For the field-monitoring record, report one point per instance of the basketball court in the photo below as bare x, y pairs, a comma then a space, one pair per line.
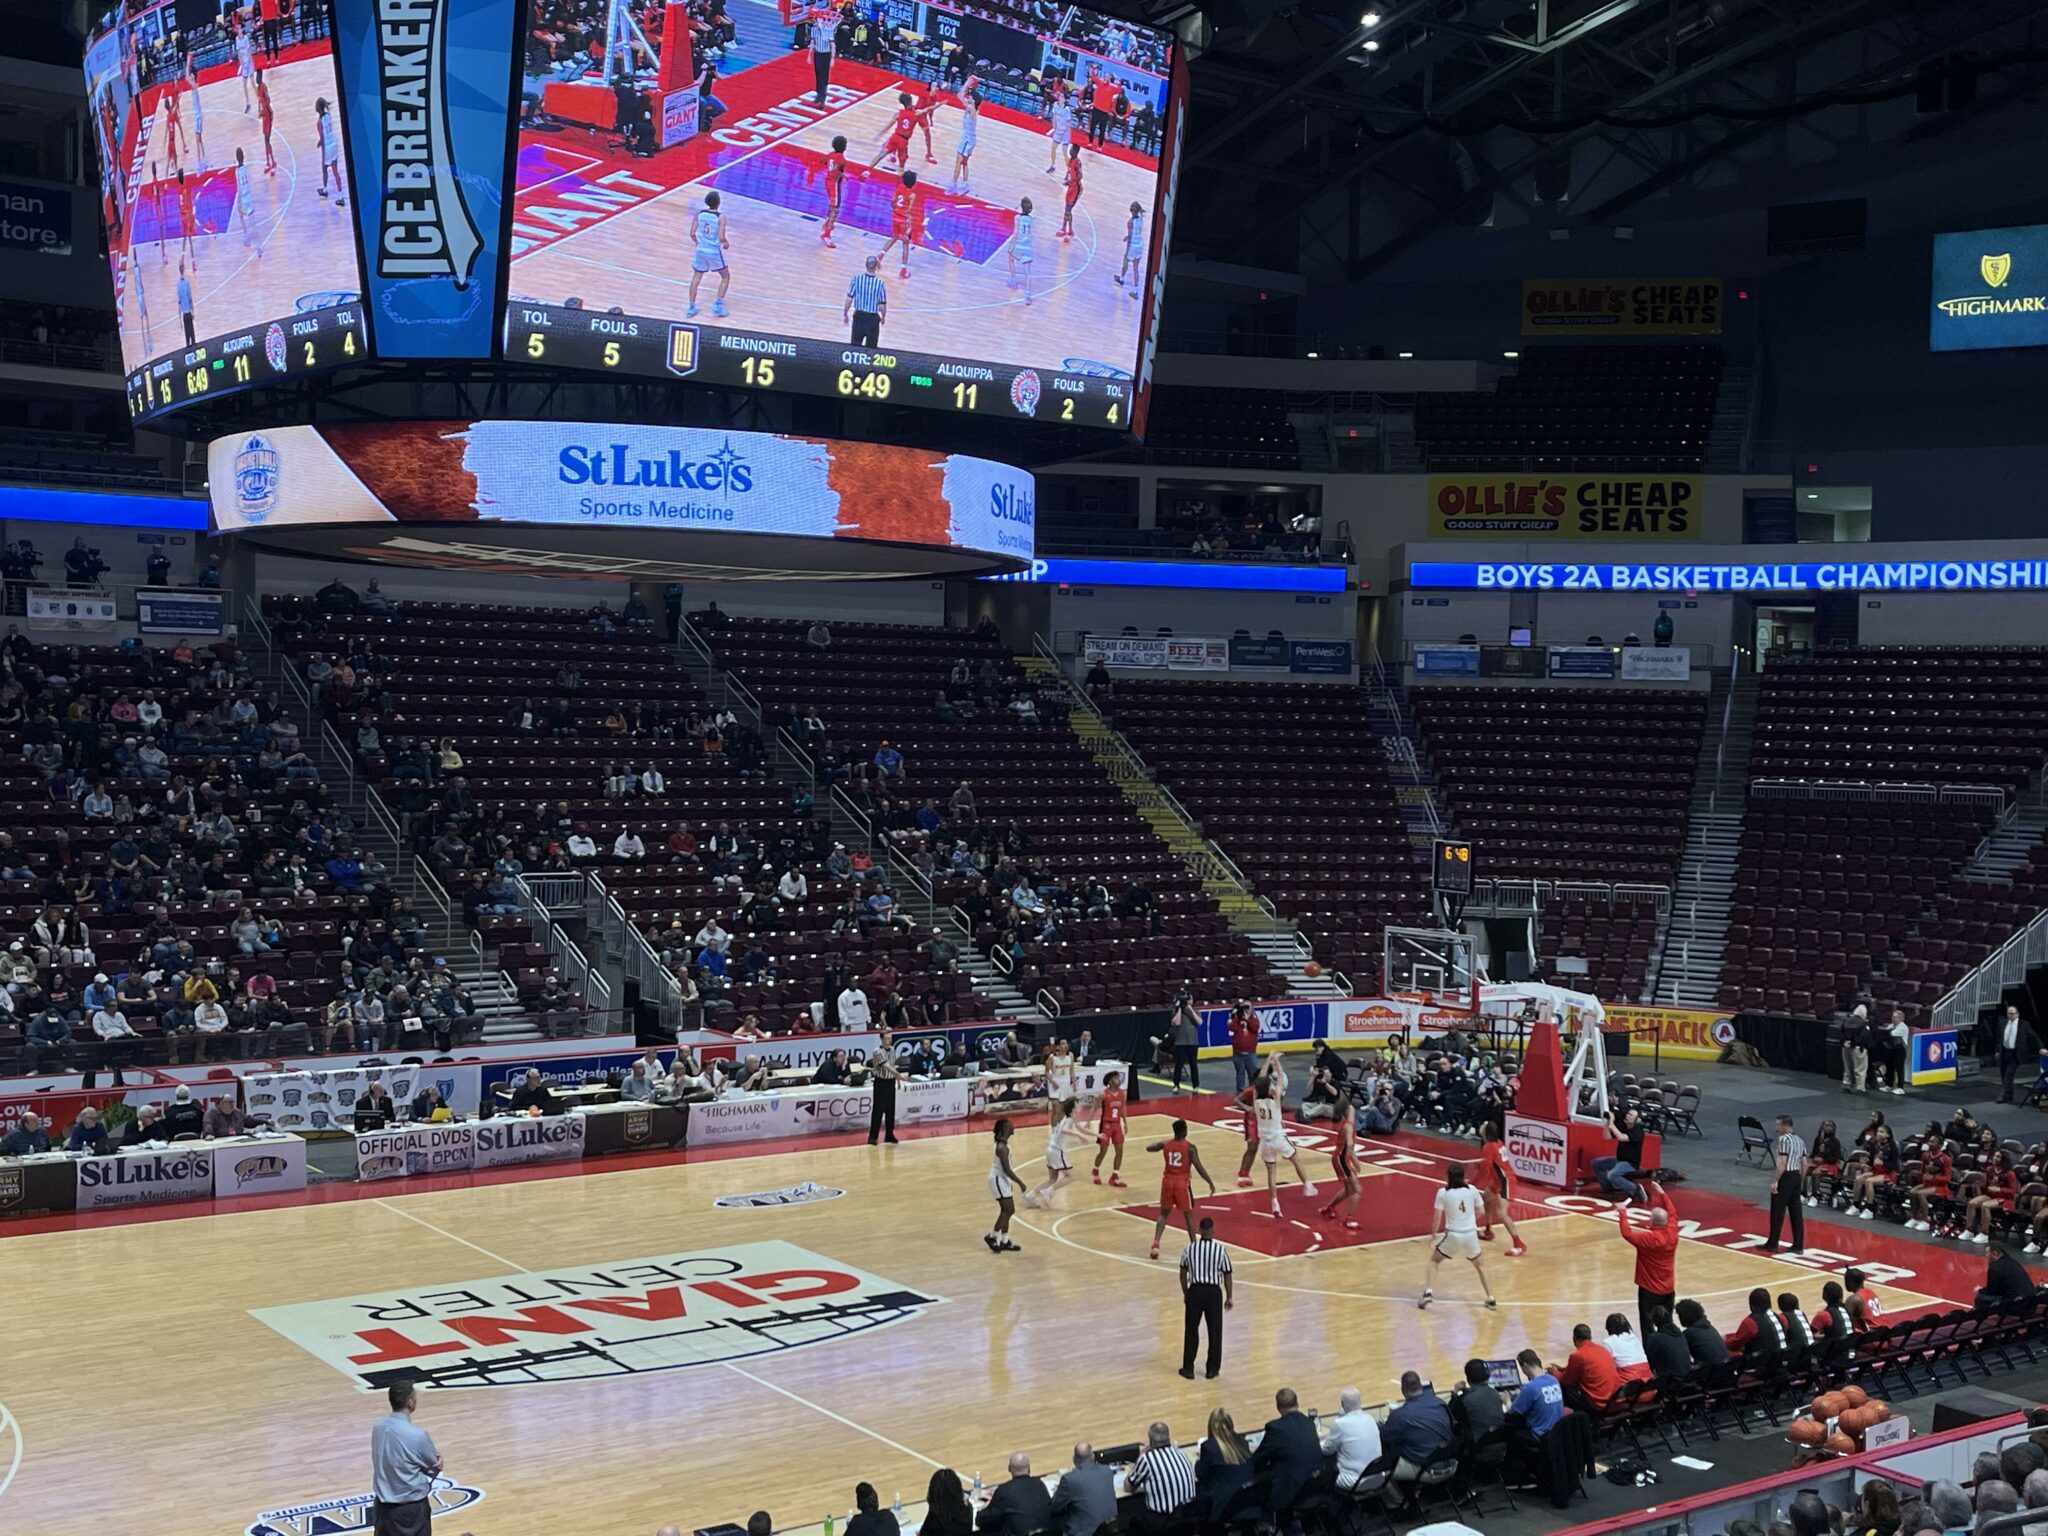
688, 1337
298, 250
609, 229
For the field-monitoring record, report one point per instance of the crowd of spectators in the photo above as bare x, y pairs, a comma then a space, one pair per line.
76, 335
180, 874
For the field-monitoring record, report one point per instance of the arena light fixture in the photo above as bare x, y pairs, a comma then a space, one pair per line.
1511, 355
1369, 19
1372, 45
1406, 355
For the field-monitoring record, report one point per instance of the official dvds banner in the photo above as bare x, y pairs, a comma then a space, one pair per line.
1621, 306
425, 84
611, 476
411, 1149
1990, 289
1567, 506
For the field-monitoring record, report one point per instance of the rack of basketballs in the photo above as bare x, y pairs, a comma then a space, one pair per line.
1836, 1423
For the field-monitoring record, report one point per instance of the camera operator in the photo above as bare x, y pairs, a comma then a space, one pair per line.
83, 567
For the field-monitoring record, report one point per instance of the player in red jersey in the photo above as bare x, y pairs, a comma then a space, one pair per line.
835, 189
174, 121
906, 221
927, 109
1246, 1098
896, 134
188, 220
1175, 1192
1344, 1159
267, 118
1073, 190
1497, 1188
1110, 1130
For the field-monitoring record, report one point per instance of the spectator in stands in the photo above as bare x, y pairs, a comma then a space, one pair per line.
87, 1134
1418, 1427
1084, 1502
533, 1094
225, 1118
183, 1116
855, 1014
2005, 1279
119, 1043
83, 567
1588, 1376
1996, 1497
1352, 1437
1477, 1413
1665, 1348
888, 763
818, 636
28, 1137
1019, 1507
637, 1086
48, 1039
627, 846
1702, 1338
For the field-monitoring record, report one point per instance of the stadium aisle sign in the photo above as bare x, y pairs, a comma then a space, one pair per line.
1569, 506
1791, 576
1621, 306
621, 1318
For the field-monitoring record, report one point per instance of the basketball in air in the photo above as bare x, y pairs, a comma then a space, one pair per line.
1312, 970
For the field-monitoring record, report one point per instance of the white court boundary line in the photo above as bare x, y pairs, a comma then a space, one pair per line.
9, 1422
737, 1370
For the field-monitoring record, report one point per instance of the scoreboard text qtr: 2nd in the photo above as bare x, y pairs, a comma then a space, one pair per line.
562, 336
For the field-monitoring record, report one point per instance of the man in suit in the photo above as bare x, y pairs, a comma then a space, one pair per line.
2005, 1279
1085, 1500
2017, 1043
1353, 1437
1289, 1452
1417, 1429
1019, 1507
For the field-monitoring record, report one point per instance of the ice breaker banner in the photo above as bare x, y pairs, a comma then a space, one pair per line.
594, 475
424, 85
1799, 576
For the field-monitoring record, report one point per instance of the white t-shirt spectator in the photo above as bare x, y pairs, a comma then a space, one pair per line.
581, 847
211, 1018
627, 845
853, 1009
111, 1024
793, 886
713, 937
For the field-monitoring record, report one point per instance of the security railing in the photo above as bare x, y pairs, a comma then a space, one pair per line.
1879, 791
1984, 987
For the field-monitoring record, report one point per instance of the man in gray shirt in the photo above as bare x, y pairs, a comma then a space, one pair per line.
1086, 1498
1788, 1174
404, 1464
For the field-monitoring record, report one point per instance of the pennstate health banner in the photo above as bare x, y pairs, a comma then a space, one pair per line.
1567, 506
1621, 306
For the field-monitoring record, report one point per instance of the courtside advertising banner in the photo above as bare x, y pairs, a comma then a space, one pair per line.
942, 1098
145, 1177
1568, 506
1537, 1150
1621, 306
627, 477
426, 85
400, 1153
1656, 664
528, 1139
1157, 652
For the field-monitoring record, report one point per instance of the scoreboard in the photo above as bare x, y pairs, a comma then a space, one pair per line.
1451, 868
563, 337
270, 354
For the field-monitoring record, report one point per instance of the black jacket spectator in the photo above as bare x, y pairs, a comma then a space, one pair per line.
1017, 1508
1291, 1453
1669, 1352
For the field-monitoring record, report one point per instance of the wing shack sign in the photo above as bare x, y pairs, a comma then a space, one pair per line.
620, 1319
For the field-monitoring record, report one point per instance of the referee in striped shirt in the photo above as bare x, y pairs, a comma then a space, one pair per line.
1205, 1294
1164, 1478
867, 305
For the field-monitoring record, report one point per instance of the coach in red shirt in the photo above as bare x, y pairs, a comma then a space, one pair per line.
1656, 1249
1590, 1368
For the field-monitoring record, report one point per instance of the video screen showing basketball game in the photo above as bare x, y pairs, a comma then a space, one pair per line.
955, 206
223, 194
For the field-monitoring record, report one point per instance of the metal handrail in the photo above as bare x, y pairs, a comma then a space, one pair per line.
432, 889
1406, 756
1047, 1004
1985, 984
1003, 960
1896, 792
1534, 895
1727, 721
1213, 862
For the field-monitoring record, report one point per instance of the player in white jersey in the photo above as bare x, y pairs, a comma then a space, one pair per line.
328, 137
1273, 1143
1022, 251
1058, 1133
138, 313
198, 109
245, 61
712, 244
1062, 125
1455, 1234
1134, 250
245, 202
970, 125
1059, 1073
1004, 1184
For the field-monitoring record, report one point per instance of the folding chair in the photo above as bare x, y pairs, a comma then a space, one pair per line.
1755, 1143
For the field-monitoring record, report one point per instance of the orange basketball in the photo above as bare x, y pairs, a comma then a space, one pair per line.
1829, 1405
1855, 1397
1312, 970
1841, 1444
1807, 1432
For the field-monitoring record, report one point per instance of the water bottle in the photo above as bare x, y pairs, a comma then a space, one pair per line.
977, 1493
896, 1509
828, 1525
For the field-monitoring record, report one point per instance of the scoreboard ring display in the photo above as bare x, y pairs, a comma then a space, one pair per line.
963, 209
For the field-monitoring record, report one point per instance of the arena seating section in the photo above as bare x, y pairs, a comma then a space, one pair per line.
1288, 780
1586, 408
1566, 783
455, 669
879, 682
53, 837
1234, 428
1847, 900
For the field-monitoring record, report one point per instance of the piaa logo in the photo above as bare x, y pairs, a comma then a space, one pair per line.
257, 472
805, 1193
1026, 392
354, 1512
274, 348
627, 1318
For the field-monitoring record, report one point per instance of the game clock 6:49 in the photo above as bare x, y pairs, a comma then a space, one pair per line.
321, 338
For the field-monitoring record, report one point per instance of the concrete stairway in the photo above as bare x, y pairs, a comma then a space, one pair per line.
1421, 803
2013, 841
1686, 970
1728, 436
